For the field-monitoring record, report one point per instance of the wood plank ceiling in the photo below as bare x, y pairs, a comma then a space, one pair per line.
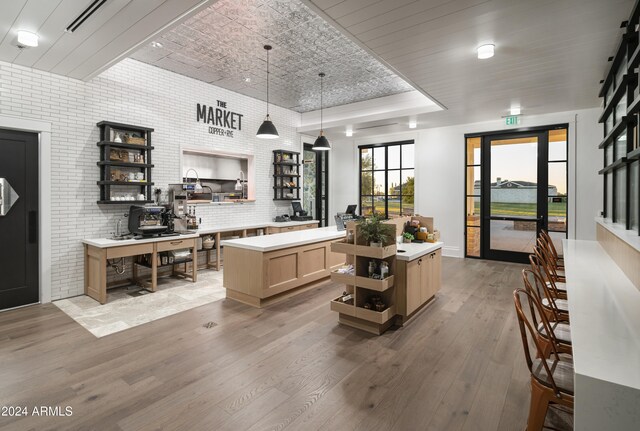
117, 27
550, 54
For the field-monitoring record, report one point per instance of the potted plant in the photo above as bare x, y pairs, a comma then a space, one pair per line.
373, 231
407, 237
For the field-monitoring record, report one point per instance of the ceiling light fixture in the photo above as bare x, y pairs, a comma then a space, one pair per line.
27, 38
515, 110
247, 79
413, 123
486, 51
349, 131
156, 44
321, 143
267, 130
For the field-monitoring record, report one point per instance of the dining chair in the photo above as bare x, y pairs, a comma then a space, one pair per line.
547, 238
551, 378
557, 271
557, 288
549, 331
557, 309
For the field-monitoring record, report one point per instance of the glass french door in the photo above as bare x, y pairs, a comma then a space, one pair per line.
516, 184
515, 189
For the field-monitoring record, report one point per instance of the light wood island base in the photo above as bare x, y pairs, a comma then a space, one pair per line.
259, 278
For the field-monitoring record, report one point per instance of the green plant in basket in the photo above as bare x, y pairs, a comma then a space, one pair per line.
407, 237
373, 232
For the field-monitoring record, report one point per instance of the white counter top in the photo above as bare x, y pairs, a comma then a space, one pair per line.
415, 250
604, 307
108, 243
206, 229
285, 240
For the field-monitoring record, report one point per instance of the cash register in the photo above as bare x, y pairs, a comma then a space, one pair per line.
298, 213
348, 215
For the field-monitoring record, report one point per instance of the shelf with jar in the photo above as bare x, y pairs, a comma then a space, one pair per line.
286, 175
125, 160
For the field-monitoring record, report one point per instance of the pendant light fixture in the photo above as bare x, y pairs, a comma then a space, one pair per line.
267, 130
321, 143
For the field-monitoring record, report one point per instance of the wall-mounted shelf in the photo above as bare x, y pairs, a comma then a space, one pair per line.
125, 202
286, 164
127, 147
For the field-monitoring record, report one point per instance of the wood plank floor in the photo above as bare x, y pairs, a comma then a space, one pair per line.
457, 366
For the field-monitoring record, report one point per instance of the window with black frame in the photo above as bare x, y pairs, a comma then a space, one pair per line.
621, 155
387, 179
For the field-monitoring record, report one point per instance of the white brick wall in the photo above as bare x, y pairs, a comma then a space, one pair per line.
133, 93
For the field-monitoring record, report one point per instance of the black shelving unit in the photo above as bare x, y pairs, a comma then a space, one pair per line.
286, 175
109, 165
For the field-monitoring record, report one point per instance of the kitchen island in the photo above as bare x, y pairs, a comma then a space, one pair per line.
244, 230
264, 269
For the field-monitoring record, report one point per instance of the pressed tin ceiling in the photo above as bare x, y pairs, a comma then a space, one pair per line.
223, 45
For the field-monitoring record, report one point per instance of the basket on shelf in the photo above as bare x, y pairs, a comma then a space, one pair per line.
135, 140
119, 155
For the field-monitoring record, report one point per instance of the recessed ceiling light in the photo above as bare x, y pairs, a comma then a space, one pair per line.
156, 44
27, 38
247, 79
413, 123
486, 51
515, 110
349, 131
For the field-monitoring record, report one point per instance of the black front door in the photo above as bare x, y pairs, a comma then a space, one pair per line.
18, 219
515, 184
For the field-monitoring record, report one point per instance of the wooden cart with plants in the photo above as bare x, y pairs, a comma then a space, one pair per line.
369, 298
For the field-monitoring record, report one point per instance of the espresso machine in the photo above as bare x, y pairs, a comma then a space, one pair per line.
150, 221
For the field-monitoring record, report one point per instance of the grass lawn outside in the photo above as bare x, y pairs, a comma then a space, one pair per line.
556, 209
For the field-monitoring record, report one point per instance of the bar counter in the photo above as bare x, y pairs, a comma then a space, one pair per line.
605, 329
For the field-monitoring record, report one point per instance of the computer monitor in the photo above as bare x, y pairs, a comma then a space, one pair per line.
351, 209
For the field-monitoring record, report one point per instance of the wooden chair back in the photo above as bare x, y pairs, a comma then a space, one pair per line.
537, 267
549, 243
545, 270
549, 261
536, 309
528, 331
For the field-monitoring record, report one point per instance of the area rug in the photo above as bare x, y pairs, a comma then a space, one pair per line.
130, 307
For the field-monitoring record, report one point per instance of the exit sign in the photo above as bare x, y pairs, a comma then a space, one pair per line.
512, 120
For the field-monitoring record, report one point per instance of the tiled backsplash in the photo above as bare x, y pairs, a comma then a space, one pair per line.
133, 93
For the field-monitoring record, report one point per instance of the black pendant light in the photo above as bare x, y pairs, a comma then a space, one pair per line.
321, 143
267, 130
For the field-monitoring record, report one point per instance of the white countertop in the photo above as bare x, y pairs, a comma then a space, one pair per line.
604, 307
285, 240
108, 243
415, 250
205, 229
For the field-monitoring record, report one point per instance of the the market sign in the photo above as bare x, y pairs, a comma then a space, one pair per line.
222, 121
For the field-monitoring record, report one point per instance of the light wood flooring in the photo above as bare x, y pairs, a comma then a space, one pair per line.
457, 366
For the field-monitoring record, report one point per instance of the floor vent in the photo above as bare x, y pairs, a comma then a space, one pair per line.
210, 325
86, 14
